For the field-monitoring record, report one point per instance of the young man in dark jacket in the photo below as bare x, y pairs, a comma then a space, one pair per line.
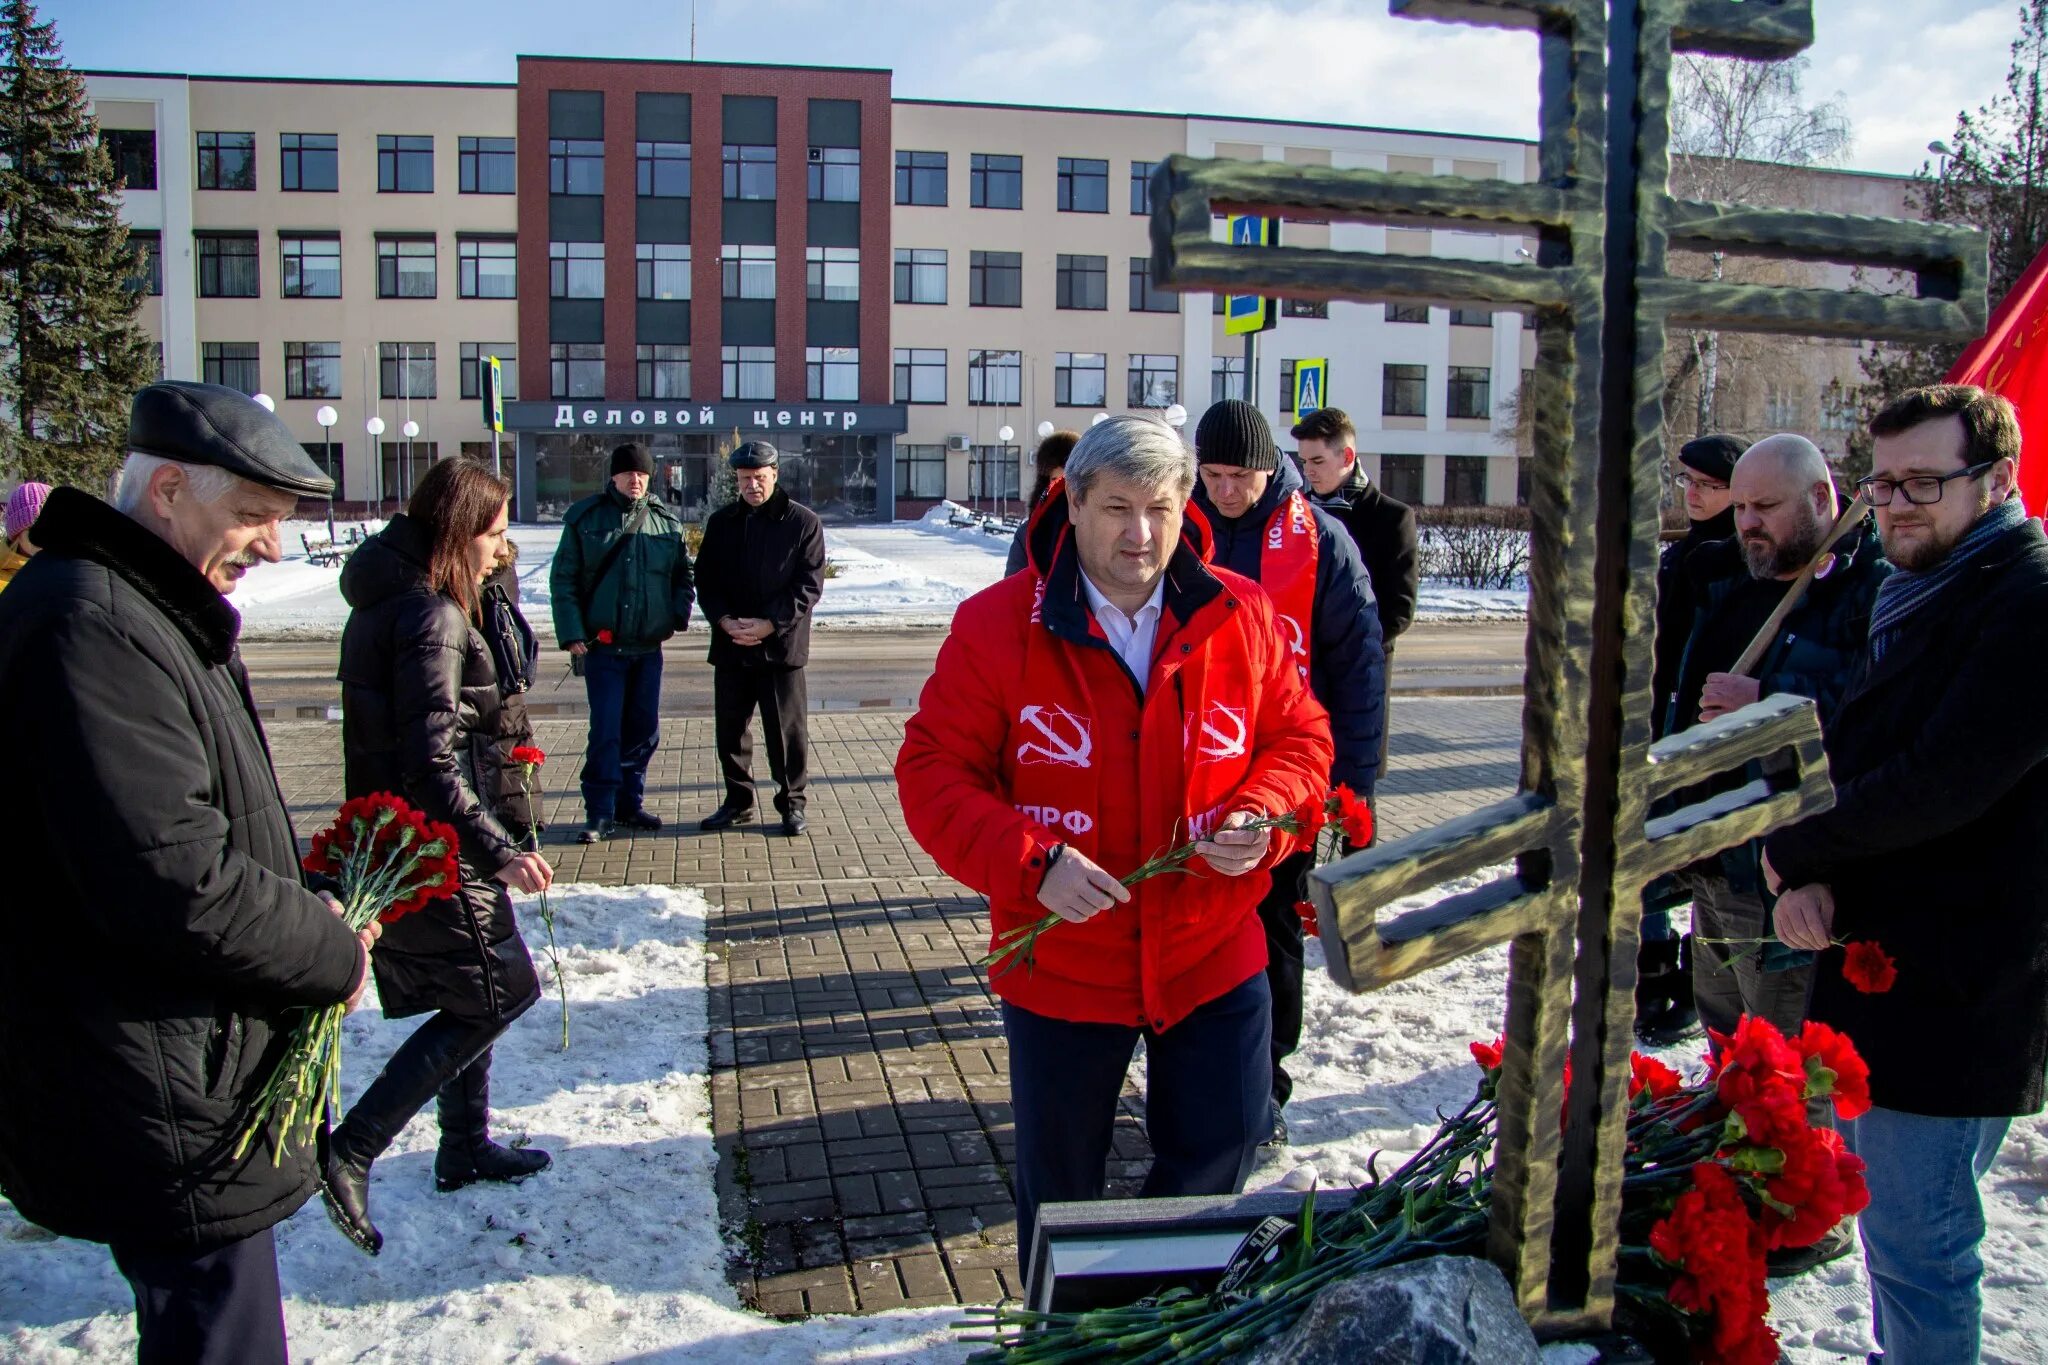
1264, 527
1932, 855
760, 570
620, 586
162, 941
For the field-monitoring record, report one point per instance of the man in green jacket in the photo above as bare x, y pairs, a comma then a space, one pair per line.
621, 585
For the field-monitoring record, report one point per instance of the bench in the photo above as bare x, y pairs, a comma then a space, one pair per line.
324, 552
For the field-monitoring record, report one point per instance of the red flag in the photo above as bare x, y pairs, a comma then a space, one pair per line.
2011, 359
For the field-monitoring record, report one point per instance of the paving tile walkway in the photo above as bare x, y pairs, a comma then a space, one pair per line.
859, 1080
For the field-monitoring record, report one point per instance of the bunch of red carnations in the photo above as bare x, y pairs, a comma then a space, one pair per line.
388, 861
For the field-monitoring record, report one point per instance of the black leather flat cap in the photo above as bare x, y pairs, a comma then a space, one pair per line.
754, 455
214, 425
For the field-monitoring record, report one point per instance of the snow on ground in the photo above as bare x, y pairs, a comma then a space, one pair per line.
615, 1253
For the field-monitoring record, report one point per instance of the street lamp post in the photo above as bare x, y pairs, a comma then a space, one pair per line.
1045, 429
1176, 416
1004, 435
375, 426
411, 430
327, 417
264, 401
1098, 419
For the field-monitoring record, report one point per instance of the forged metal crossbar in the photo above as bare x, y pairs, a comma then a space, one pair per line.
1580, 833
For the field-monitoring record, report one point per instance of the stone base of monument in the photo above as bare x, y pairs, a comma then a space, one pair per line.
1441, 1310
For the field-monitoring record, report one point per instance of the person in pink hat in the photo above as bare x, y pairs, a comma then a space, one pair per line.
24, 505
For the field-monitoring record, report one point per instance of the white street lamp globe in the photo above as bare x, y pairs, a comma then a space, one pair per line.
264, 401
1176, 416
1045, 429
1006, 434
411, 429
375, 426
1098, 419
326, 416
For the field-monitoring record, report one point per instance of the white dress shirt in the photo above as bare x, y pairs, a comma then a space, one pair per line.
1132, 637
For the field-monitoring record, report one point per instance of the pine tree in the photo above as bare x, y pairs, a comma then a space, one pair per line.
71, 354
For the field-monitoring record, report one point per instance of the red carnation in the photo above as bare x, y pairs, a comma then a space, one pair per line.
604, 637
1348, 810
1649, 1076
1717, 1249
528, 755
1309, 923
1311, 818
1834, 1067
1488, 1055
1819, 1184
1869, 968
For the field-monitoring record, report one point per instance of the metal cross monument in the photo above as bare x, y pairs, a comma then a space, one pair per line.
1579, 832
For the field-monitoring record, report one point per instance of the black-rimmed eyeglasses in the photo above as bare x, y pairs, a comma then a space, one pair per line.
1920, 489
1699, 481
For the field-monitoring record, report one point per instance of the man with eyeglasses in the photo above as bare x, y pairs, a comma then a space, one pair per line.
1933, 852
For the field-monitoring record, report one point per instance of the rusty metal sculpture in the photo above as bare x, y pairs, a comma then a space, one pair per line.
1580, 832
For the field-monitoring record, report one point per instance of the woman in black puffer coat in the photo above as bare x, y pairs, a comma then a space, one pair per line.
516, 654
420, 714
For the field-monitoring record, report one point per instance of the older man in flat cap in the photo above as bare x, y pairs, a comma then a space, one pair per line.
163, 940
759, 572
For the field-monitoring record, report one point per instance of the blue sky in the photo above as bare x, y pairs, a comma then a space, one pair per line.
1902, 68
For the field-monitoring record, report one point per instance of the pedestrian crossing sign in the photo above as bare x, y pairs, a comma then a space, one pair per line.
1243, 313
493, 387
1311, 386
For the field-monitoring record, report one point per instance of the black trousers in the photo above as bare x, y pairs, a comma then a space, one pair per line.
222, 1307
1284, 964
782, 698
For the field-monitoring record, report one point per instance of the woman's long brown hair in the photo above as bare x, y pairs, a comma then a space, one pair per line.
454, 504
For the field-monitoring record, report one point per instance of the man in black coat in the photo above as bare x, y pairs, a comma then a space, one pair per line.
164, 940
1932, 856
760, 571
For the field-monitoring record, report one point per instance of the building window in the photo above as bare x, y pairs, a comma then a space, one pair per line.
486, 165
1080, 379
227, 265
575, 270
1401, 478
661, 170
1784, 409
1837, 405
921, 178
747, 272
1304, 308
227, 161
1470, 392
576, 370
995, 378
311, 266
405, 164
1081, 282
487, 268
1145, 296
312, 369
920, 376
920, 471
747, 371
920, 275
832, 272
993, 473
149, 252
405, 369
749, 171
661, 270
405, 268
1141, 185
662, 371
1471, 317
133, 152
472, 356
995, 279
1465, 480
832, 374
1226, 377
995, 181
575, 166
1407, 312
1084, 185
308, 163
237, 364
833, 175
1154, 381
1404, 391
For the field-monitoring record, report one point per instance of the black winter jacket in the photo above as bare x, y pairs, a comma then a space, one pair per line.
420, 710
1935, 846
1347, 665
515, 654
1676, 608
1383, 529
766, 562
160, 940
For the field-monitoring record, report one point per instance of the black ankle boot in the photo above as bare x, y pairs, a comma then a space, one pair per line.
345, 1189
467, 1153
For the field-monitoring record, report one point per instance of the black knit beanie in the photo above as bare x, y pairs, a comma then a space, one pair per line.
1233, 432
632, 458
1713, 456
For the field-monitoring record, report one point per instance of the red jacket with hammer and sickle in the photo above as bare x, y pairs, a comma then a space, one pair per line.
1031, 732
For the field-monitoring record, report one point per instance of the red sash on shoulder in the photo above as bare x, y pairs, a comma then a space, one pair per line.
1287, 571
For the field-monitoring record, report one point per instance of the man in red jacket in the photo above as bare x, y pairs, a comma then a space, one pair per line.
1124, 698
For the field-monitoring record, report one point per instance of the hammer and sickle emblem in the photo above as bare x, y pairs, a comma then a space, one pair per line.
1223, 732
1290, 630
1064, 737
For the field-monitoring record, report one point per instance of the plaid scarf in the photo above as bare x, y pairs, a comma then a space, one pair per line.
1904, 592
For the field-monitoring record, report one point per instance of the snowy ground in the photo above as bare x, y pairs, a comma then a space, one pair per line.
884, 575
616, 1252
